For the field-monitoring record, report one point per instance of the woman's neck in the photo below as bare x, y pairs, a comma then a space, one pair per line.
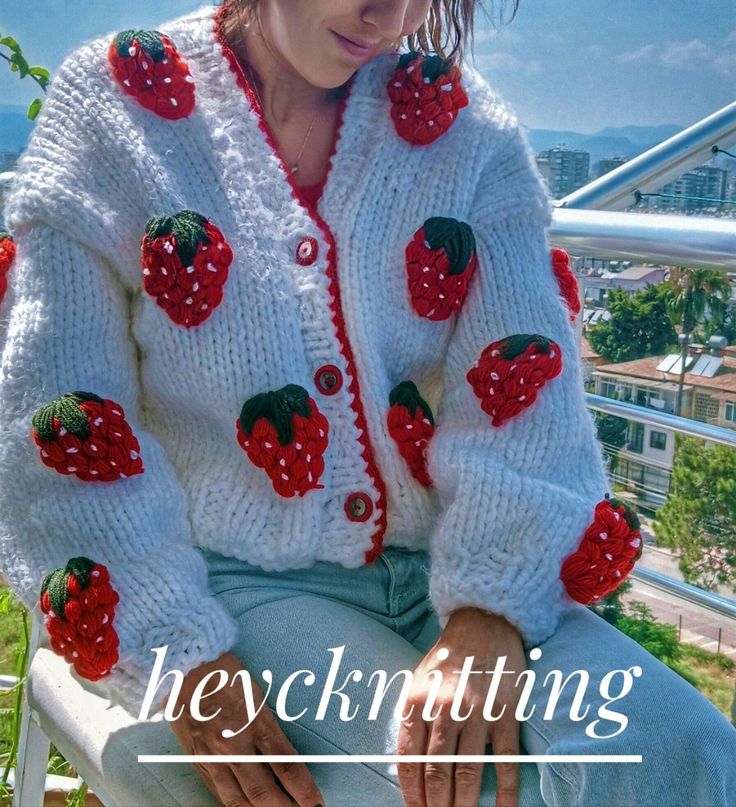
286, 95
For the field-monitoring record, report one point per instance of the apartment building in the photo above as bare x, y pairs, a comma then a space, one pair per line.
709, 395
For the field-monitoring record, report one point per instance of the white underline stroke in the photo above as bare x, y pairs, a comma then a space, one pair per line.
389, 758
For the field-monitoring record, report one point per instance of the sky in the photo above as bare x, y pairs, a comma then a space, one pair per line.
561, 64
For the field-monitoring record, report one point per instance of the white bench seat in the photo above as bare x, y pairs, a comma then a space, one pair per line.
102, 743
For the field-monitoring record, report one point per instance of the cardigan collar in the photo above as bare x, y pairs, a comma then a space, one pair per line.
396, 97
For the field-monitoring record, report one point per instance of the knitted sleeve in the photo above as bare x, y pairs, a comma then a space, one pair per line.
94, 533
514, 458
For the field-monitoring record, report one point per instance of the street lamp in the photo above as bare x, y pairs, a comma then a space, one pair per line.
685, 340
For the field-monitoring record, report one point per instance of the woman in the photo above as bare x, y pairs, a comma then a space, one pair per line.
288, 379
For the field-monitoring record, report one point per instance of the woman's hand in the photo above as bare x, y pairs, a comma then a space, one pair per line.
485, 636
248, 783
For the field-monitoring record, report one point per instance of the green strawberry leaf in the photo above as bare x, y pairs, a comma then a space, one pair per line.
513, 346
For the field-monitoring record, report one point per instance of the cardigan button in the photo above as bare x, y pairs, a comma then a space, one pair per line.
328, 379
306, 252
358, 507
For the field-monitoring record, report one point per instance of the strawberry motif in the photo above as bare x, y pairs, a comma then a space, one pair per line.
440, 261
509, 373
426, 95
7, 256
79, 606
607, 553
411, 425
82, 434
148, 66
185, 261
566, 279
284, 433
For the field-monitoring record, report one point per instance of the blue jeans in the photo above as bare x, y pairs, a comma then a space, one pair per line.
381, 616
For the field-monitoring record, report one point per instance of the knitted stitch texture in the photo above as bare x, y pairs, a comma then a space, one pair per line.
316, 298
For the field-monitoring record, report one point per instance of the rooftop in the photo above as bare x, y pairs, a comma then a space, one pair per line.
723, 381
633, 272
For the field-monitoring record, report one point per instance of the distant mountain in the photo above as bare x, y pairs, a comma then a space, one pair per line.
611, 141
14, 127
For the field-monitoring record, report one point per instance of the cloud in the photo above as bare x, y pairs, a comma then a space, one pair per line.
502, 36
693, 54
503, 61
644, 54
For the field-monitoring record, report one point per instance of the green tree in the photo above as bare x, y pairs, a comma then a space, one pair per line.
722, 324
692, 297
659, 638
610, 607
698, 519
612, 435
639, 326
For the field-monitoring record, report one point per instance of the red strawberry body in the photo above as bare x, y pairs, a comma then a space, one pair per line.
148, 66
79, 606
566, 279
186, 262
411, 424
7, 256
284, 433
440, 262
88, 436
607, 553
510, 372
426, 96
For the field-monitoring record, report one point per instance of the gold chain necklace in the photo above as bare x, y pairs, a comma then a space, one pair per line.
295, 166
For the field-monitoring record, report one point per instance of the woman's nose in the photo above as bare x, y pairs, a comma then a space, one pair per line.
395, 19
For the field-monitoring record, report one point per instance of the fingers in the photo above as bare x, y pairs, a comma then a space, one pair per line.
223, 785
257, 782
469, 775
294, 776
438, 778
412, 739
506, 741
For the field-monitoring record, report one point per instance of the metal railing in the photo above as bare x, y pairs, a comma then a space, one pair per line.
678, 240
672, 240
697, 596
659, 165
652, 417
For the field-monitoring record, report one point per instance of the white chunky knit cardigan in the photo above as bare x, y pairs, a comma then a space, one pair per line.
506, 504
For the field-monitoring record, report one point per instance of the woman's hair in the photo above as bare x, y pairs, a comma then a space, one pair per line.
446, 31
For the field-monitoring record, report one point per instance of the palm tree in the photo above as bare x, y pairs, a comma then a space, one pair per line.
693, 296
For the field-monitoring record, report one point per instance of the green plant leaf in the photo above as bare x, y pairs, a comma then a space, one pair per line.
6, 602
34, 108
39, 72
18, 59
9, 42
40, 76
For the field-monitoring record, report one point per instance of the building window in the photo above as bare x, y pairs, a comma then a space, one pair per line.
608, 389
658, 440
730, 411
657, 481
636, 437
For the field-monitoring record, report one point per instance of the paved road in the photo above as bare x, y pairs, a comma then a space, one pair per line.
699, 625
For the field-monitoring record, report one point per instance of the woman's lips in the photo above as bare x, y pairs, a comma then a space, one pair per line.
360, 52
